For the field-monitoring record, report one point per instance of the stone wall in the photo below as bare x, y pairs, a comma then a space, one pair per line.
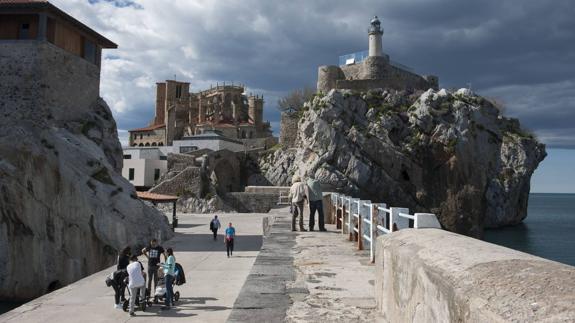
251, 202
288, 129
189, 181
35, 75
372, 73
430, 275
327, 76
268, 189
255, 143
155, 137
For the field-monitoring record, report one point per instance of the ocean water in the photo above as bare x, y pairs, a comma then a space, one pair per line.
547, 232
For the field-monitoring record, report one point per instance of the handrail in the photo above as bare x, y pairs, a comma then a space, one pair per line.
364, 220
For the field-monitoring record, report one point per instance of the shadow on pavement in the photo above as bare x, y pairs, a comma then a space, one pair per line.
205, 242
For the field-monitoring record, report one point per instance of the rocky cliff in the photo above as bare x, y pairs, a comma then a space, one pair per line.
449, 153
65, 210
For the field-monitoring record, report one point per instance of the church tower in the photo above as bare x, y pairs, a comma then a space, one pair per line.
375, 37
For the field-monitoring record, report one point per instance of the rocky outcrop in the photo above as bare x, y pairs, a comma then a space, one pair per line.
65, 210
449, 153
193, 204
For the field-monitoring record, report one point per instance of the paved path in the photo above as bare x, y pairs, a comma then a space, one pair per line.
307, 277
214, 281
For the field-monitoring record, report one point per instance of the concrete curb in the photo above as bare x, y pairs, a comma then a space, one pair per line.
264, 297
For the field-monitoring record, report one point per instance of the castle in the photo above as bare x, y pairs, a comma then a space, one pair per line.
180, 114
371, 69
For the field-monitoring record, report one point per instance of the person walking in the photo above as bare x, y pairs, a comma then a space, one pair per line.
153, 253
169, 277
315, 200
297, 196
215, 226
229, 240
136, 282
123, 262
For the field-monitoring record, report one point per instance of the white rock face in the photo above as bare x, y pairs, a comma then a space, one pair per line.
446, 153
65, 210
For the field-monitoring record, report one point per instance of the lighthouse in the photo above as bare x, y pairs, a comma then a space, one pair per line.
375, 35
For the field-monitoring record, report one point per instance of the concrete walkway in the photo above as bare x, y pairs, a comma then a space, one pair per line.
307, 277
213, 280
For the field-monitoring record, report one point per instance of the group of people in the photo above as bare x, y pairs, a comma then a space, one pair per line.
312, 192
229, 234
131, 268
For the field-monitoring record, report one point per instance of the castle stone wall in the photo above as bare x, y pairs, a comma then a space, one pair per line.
245, 202
373, 72
40, 73
288, 129
327, 76
353, 71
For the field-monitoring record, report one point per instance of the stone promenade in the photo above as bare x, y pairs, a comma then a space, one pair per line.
296, 277
307, 277
213, 280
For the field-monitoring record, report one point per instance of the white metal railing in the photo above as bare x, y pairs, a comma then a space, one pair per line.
283, 199
364, 220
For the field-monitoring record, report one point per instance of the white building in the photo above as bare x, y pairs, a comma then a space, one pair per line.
210, 139
143, 166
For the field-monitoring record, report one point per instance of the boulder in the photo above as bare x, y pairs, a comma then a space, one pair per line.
443, 152
65, 210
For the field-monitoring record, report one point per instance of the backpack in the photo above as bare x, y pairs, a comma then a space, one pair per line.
212, 225
181, 276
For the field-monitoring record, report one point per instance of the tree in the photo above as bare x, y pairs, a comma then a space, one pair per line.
296, 98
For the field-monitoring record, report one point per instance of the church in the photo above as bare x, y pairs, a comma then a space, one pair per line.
224, 108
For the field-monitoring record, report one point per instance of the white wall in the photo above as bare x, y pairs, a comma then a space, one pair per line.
212, 144
144, 170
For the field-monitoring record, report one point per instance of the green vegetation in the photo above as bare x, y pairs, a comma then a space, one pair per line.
275, 147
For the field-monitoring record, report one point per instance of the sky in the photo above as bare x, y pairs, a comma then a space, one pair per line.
520, 52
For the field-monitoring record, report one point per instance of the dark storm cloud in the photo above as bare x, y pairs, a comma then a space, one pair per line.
519, 51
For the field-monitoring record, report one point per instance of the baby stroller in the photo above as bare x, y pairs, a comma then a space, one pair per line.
160, 293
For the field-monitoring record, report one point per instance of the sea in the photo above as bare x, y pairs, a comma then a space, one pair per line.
547, 232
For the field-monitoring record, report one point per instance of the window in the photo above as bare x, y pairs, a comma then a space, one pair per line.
89, 51
163, 157
130, 174
24, 31
127, 156
141, 136
156, 174
178, 91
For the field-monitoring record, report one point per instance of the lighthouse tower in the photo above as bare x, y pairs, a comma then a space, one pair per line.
375, 35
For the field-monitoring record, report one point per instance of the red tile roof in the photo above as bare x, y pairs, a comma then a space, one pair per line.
149, 128
148, 196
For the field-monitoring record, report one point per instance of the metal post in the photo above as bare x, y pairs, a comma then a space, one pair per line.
342, 217
350, 221
372, 231
174, 218
359, 227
